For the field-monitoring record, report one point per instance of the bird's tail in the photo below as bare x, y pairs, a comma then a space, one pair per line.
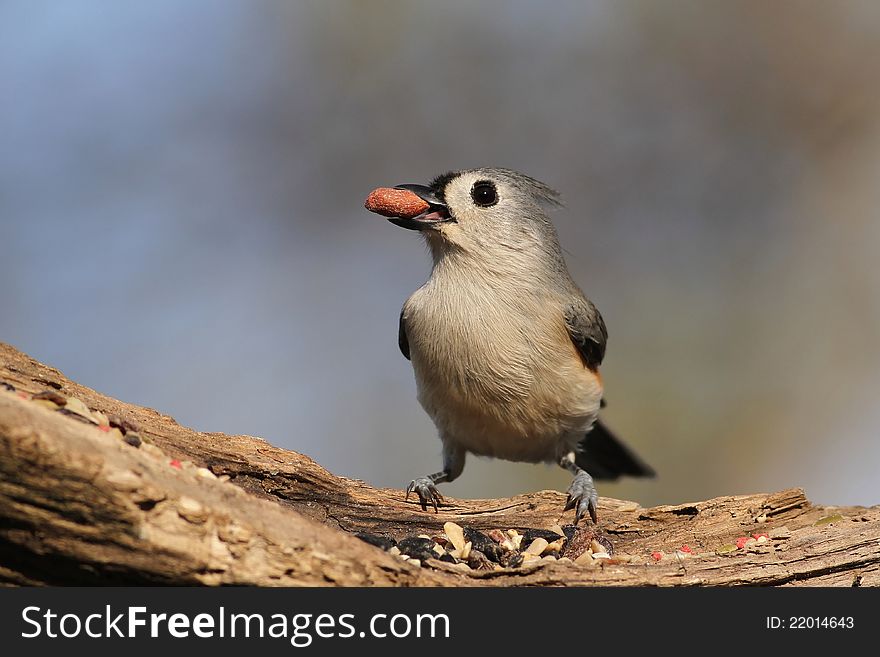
604, 456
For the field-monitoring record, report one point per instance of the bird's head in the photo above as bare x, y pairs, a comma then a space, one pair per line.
478, 211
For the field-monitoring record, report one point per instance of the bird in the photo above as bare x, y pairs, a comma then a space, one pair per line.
504, 345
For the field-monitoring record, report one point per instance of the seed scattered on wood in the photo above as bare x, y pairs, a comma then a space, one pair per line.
605, 543
417, 548
537, 546
382, 542
479, 561
585, 559
77, 406
749, 542
529, 535
484, 544
780, 533
467, 548
124, 480
46, 382
496, 535
122, 423
53, 396
455, 534
511, 559
76, 416
579, 541
191, 510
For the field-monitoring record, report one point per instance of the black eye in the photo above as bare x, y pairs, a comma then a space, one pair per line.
484, 193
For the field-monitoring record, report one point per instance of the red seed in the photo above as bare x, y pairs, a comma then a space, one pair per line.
656, 556
685, 548
176, 464
395, 203
757, 536
741, 542
104, 427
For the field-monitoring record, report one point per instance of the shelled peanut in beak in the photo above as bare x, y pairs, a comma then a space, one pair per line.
390, 202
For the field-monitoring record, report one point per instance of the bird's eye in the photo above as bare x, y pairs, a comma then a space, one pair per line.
484, 193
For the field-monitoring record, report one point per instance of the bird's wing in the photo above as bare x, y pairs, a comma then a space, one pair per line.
587, 331
402, 340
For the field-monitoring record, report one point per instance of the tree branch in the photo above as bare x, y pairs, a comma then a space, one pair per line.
80, 505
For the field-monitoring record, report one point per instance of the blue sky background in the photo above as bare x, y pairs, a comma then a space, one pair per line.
181, 220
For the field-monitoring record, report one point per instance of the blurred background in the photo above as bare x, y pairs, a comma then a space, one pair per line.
182, 222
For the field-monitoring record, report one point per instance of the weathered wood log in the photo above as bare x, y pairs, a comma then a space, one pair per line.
79, 504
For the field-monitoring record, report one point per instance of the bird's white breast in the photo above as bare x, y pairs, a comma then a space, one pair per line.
496, 369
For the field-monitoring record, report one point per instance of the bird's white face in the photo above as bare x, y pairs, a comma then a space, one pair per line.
488, 213
493, 217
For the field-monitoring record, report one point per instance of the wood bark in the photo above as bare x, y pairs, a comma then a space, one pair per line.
80, 505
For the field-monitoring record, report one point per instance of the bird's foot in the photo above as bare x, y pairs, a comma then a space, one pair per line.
582, 496
427, 491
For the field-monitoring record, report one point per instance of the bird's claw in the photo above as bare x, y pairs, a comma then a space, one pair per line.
582, 496
427, 491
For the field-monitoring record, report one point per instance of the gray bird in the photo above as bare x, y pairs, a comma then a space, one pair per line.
504, 345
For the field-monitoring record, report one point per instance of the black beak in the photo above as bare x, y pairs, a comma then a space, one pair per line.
437, 212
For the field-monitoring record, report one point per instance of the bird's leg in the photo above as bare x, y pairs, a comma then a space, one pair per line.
582, 495
426, 487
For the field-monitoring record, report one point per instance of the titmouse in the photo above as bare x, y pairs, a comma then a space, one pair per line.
505, 347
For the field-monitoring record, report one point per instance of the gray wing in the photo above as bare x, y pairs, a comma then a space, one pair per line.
587, 330
402, 340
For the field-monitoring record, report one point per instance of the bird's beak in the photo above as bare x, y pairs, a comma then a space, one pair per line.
415, 207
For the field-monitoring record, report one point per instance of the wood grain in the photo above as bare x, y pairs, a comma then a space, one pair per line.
80, 506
